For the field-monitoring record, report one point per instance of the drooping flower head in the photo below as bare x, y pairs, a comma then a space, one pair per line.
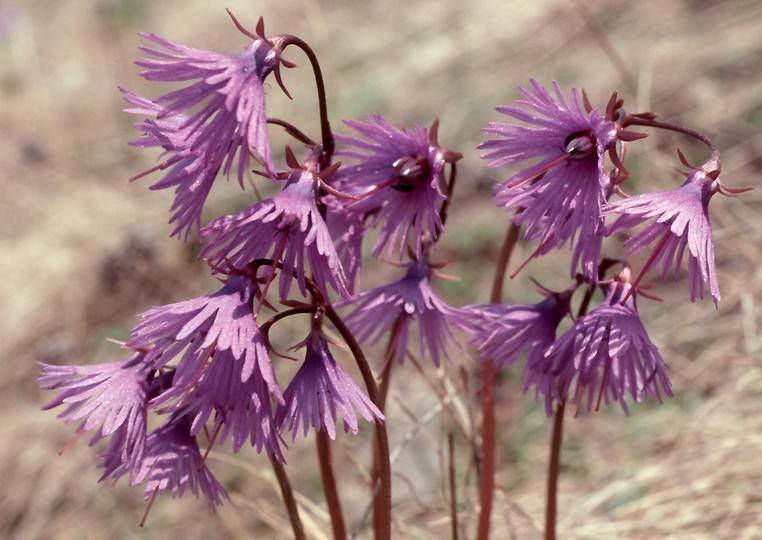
172, 463
400, 173
502, 332
111, 398
286, 228
222, 363
560, 197
682, 220
206, 126
397, 305
318, 391
605, 356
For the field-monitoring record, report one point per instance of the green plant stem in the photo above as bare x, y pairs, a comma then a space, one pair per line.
382, 511
289, 500
551, 507
489, 458
329, 485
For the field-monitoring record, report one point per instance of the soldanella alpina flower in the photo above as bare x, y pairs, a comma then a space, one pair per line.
320, 390
397, 305
111, 398
559, 198
401, 174
606, 355
286, 228
214, 124
172, 463
681, 221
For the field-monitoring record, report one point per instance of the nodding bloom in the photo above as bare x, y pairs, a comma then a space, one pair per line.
397, 305
605, 355
286, 228
561, 196
318, 391
111, 397
172, 463
502, 332
401, 175
209, 124
682, 220
223, 366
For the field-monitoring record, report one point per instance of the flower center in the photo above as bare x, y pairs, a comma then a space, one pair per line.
409, 171
580, 144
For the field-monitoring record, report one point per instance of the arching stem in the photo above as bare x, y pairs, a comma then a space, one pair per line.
325, 127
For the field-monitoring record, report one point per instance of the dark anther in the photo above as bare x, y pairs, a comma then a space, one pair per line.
580, 144
410, 170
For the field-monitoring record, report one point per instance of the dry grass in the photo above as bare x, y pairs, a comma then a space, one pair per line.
84, 251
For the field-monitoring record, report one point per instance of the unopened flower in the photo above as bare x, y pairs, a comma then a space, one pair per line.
320, 390
682, 220
606, 355
397, 305
206, 126
401, 173
286, 228
559, 198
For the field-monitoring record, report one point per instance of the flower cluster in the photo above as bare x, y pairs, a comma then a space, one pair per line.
206, 366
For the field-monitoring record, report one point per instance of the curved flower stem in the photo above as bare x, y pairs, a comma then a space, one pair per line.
382, 507
488, 459
329, 485
646, 121
325, 127
289, 500
551, 507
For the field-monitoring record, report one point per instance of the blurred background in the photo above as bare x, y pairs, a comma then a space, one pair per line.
84, 251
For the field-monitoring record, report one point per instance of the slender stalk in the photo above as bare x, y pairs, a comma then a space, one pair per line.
551, 507
382, 511
489, 458
453, 486
329, 485
383, 392
636, 120
289, 500
325, 127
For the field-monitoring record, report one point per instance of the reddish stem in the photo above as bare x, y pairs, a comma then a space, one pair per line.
489, 450
382, 506
551, 508
329, 486
288, 499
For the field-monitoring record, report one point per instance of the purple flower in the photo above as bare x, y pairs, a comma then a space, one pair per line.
204, 329
682, 220
239, 409
606, 355
226, 117
397, 305
401, 172
172, 462
111, 397
318, 391
287, 228
502, 332
562, 195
